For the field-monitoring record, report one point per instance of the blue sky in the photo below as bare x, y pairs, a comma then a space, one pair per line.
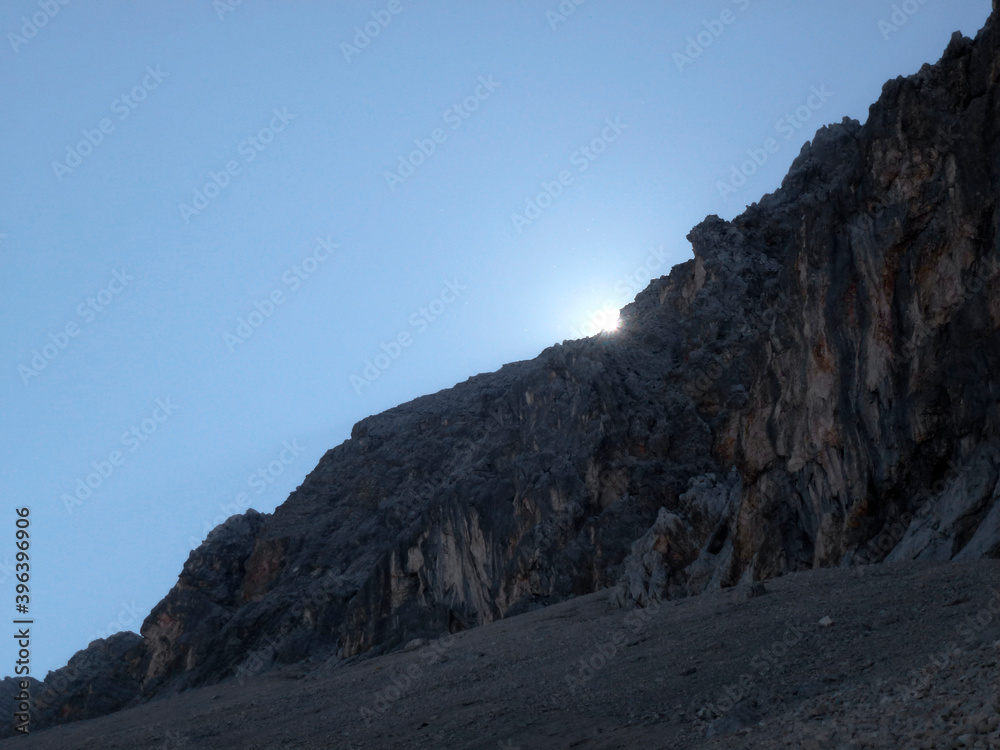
230, 231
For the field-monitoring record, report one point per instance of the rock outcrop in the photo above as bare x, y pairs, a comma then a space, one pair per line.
818, 386
98, 680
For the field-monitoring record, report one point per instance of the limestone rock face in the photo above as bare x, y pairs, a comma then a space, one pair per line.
854, 386
818, 386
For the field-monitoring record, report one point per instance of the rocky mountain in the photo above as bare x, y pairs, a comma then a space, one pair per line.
817, 387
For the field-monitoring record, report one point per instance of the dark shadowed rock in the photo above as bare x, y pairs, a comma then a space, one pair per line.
96, 681
192, 631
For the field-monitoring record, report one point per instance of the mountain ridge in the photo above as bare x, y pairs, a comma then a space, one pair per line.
774, 404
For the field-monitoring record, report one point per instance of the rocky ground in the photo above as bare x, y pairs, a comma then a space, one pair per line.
901, 656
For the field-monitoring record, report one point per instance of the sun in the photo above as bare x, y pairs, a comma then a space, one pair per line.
603, 321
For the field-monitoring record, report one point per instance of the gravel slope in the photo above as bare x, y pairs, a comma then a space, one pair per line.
658, 678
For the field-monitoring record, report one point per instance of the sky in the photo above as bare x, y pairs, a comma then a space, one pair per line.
230, 230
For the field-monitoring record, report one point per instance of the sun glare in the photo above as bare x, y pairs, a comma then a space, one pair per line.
602, 321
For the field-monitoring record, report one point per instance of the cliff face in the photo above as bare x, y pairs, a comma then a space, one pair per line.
817, 387
852, 379
877, 392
